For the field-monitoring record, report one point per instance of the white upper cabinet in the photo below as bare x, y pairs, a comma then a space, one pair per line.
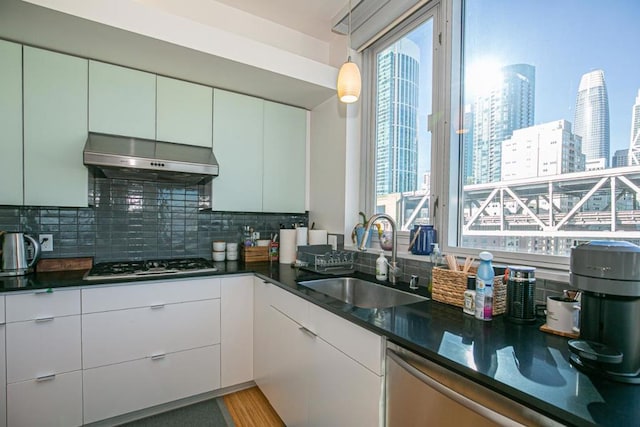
284, 181
11, 123
184, 112
261, 147
55, 129
122, 101
237, 144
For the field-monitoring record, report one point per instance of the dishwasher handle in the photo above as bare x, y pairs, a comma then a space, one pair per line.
450, 393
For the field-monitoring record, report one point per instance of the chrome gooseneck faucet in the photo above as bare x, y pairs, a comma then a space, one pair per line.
393, 267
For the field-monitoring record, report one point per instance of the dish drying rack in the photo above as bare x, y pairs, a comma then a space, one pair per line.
323, 259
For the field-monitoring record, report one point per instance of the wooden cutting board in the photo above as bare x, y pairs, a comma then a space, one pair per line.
545, 328
64, 264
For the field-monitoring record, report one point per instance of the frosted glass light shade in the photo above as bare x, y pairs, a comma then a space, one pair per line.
349, 82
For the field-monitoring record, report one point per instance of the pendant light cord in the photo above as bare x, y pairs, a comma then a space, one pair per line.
349, 36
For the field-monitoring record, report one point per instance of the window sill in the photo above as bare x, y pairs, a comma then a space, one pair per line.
559, 275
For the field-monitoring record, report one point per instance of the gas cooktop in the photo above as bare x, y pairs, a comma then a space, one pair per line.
161, 267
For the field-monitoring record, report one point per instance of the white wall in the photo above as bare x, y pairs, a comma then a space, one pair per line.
244, 24
328, 166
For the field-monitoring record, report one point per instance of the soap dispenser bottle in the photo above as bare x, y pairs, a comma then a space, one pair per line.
436, 255
381, 267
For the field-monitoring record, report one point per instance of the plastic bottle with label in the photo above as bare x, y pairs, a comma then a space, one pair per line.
484, 287
470, 296
381, 267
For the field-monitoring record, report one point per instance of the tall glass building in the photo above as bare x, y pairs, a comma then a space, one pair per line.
592, 118
634, 146
397, 118
508, 106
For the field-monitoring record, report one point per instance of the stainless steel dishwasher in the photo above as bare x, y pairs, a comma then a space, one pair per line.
420, 392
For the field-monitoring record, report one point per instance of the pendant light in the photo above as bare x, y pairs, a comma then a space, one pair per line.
349, 82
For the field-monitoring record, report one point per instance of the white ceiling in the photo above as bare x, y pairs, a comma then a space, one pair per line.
311, 17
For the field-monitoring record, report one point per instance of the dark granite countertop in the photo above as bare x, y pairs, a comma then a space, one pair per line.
519, 361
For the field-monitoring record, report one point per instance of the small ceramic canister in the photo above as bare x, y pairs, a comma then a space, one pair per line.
219, 245
218, 256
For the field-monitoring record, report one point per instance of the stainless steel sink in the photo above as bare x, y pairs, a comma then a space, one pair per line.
362, 293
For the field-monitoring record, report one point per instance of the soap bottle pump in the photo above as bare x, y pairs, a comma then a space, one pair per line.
381, 267
436, 255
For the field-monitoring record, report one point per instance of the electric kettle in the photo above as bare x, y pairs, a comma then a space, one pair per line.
15, 261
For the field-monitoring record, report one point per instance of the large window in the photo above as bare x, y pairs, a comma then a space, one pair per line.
541, 106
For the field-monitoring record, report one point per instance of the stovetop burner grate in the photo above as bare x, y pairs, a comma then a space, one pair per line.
160, 267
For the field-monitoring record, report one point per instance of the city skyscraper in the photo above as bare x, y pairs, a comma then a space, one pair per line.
508, 106
620, 159
542, 150
397, 118
592, 119
634, 146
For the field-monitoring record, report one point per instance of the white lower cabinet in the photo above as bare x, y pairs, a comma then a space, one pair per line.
236, 326
121, 388
342, 392
118, 336
262, 333
50, 401
43, 359
3, 367
147, 344
290, 359
315, 368
39, 348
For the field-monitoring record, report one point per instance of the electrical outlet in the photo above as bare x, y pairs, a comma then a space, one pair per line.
46, 242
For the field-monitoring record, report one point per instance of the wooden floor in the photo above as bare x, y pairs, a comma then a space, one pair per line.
250, 408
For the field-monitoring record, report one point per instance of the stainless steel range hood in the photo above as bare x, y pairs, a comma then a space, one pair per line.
123, 157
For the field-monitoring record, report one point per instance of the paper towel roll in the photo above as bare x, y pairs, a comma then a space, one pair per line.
301, 236
317, 237
287, 246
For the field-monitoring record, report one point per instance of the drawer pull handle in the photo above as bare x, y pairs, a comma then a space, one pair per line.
44, 319
45, 292
158, 356
46, 378
308, 331
157, 306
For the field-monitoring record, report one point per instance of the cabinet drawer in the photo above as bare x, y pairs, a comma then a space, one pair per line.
364, 346
289, 304
40, 348
123, 335
42, 304
118, 389
53, 402
148, 294
3, 377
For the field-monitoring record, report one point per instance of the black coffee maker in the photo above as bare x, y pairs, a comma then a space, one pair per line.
608, 274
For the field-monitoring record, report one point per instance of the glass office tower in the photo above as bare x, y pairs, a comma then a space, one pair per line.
634, 146
397, 118
508, 106
592, 119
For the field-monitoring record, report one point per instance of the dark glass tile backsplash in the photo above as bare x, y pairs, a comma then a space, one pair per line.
138, 220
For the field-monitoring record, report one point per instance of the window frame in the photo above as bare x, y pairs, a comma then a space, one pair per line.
445, 173
432, 9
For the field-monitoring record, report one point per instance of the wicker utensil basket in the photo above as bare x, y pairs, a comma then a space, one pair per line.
448, 286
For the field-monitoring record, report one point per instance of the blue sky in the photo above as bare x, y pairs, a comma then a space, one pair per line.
564, 39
